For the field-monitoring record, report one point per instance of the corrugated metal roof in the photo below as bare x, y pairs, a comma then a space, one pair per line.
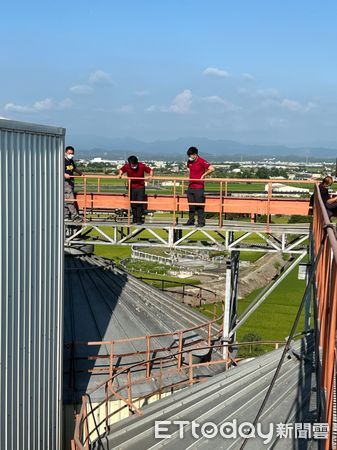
235, 394
103, 303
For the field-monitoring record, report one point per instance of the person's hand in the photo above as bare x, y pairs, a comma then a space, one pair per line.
149, 178
203, 176
119, 176
67, 176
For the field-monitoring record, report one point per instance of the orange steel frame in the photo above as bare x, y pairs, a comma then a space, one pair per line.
326, 315
177, 202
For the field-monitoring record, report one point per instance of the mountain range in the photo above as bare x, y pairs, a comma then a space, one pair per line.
213, 150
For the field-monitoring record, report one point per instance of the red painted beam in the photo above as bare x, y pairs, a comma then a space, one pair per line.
248, 205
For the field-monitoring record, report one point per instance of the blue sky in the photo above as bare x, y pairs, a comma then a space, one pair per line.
256, 71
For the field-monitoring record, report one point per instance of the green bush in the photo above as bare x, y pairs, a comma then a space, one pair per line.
296, 218
250, 350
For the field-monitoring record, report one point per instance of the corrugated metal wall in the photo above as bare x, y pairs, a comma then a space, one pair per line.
31, 285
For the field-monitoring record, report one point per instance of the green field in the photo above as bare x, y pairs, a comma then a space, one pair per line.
274, 318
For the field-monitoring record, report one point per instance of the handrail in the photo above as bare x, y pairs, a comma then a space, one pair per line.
81, 436
219, 202
180, 342
228, 180
326, 315
180, 284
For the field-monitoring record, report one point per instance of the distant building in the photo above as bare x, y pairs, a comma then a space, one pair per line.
170, 183
284, 189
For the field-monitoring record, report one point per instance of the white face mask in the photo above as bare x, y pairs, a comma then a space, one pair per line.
69, 156
190, 158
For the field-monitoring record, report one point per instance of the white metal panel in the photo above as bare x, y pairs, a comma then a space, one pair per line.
31, 285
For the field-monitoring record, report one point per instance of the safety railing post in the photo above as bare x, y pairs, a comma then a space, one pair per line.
174, 202
111, 359
148, 356
270, 190
85, 201
86, 424
209, 334
180, 349
190, 367
130, 390
220, 205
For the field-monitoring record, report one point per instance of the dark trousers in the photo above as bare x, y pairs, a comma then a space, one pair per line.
196, 195
331, 209
138, 195
70, 208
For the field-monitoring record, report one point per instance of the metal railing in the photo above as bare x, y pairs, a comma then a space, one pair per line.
147, 346
325, 294
187, 290
219, 199
89, 425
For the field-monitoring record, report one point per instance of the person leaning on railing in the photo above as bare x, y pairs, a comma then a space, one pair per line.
136, 169
70, 207
329, 202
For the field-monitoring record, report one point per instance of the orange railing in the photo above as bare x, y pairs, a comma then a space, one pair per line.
147, 346
221, 197
325, 244
115, 388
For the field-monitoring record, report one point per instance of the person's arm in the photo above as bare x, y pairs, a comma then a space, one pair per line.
208, 171
332, 200
78, 171
150, 174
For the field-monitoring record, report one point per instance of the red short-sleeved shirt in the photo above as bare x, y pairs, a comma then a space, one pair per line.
136, 173
197, 168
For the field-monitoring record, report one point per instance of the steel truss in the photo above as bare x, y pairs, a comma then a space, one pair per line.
272, 238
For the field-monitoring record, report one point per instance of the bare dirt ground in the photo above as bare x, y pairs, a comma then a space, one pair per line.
252, 276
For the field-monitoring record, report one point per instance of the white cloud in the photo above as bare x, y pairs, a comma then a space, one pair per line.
220, 101
100, 77
18, 108
126, 109
213, 71
248, 77
65, 104
181, 103
141, 93
41, 105
44, 105
81, 89
295, 106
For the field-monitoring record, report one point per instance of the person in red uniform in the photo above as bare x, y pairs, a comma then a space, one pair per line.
136, 169
199, 169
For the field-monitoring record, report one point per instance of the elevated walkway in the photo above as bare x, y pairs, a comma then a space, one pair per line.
231, 235
106, 215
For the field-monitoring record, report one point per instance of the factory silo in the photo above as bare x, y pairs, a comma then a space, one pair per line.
31, 285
